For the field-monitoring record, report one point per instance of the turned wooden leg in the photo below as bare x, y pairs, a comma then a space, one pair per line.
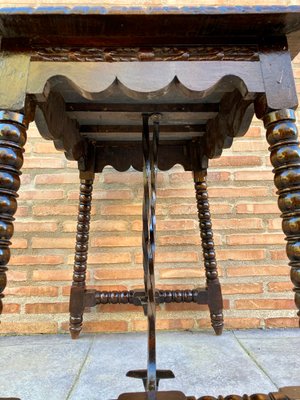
285, 157
12, 140
81, 253
215, 302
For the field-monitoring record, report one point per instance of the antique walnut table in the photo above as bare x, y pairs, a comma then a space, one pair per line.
150, 88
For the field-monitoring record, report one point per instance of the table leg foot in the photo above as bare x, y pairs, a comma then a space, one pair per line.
217, 324
74, 332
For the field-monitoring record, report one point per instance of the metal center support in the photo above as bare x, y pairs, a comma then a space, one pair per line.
151, 376
150, 148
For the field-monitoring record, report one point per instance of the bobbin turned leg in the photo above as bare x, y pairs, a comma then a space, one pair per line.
285, 157
12, 140
215, 302
77, 297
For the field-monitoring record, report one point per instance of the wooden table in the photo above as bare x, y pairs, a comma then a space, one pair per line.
104, 84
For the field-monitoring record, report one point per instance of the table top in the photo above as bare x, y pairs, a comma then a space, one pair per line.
25, 28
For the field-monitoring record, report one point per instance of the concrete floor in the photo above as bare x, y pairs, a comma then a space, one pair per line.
94, 367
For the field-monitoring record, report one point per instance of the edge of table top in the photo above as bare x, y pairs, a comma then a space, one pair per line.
170, 10
22, 28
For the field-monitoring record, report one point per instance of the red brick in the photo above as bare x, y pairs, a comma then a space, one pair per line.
16, 276
172, 257
47, 308
182, 240
275, 223
236, 161
245, 255
72, 165
129, 178
110, 258
52, 275
11, 308
98, 226
242, 288
66, 289
169, 225
185, 273
264, 304
41, 194
118, 308
36, 260
57, 179
234, 223
46, 147
204, 323
280, 286
190, 209
232, 323
243, 145
296, 72
33, 226
236, 192
22, 211
261, 238
132, 209
279, 254
45, 210
109, 226
258, 270
283, 322
105, 326
175, 193
241, 323
52, 243
32, 291
122, 194
173, 307
175, 286
118, 274
43, 162
253, 131
28, 328
164, 324
25, 179
253, 175
33, 131
18, 243
178, 178
262, 208
117, 241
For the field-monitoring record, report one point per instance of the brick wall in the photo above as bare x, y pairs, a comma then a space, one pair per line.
247, 229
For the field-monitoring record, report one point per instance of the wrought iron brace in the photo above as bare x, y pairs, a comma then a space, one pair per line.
151, 376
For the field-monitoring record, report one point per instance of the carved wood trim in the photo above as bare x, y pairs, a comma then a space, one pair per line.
233, 120
123, 155
131, 54
53, 123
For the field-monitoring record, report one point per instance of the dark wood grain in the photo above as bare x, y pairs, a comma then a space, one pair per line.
82, 26
215, 301
234, 118
282, 136
77, 296
12, 140
280, 89
52, 120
